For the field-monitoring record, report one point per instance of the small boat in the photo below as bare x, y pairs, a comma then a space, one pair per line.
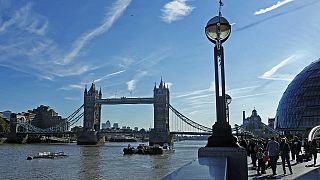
128, 151
143, 149
47, 155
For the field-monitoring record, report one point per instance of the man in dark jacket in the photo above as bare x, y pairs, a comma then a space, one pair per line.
284, 153
296, 148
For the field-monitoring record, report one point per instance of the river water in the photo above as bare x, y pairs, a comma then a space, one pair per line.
92, 162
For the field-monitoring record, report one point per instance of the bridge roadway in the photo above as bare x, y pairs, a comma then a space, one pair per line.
70, 132
190, 133
125, 100
114, 132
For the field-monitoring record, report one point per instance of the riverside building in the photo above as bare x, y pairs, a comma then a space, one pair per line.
299, 108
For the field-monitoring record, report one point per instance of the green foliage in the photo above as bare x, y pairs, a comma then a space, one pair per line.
4, 126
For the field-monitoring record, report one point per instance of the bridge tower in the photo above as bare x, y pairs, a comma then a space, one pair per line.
13, 136
160, 134
91, 117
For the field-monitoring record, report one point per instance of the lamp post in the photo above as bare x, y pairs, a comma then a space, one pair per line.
218, 30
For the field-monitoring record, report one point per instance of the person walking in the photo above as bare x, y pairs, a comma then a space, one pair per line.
284, 153
258, 146
261, 163
292, 150
253, 153
313, 151
273, 149
296, 148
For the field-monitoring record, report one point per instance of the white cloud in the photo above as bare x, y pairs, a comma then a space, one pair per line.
116, 11
200, 96
72, 86
26, 20
197, 92
271, 74
242, 89
71, 98
26, 48
273, 7
251, 95
169, 84
175, 10
131, 85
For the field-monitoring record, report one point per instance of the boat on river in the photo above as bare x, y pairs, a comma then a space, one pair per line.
146, 150
47, 155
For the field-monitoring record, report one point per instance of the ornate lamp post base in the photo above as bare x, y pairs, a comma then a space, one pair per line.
222, 136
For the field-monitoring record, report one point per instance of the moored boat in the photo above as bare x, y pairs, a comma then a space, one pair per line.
47, 155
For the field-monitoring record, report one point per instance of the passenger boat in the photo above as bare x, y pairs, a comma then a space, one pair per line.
47, 155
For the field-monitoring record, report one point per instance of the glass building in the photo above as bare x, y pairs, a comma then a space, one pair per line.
299, 107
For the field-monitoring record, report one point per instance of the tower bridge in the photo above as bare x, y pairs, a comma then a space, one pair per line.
91, 116
93, 100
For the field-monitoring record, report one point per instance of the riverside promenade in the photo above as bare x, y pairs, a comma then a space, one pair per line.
213, 169
300, 171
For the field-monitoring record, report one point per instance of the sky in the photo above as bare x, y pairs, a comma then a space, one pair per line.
50, 50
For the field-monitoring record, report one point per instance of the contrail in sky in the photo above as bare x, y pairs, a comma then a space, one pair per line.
116, 11
273, 7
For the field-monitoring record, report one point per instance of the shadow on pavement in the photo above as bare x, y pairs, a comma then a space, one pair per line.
314, 174
270, 177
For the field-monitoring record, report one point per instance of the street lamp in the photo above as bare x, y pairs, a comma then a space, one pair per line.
218, 30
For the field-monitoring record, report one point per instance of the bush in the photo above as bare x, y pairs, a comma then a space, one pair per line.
4, 126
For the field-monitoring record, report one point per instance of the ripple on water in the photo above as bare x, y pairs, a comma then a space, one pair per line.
92, 162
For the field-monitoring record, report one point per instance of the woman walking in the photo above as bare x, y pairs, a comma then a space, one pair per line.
284, 153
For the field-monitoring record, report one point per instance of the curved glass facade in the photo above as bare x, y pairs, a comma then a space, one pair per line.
299, 107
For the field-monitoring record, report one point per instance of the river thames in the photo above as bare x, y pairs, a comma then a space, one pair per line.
92, 162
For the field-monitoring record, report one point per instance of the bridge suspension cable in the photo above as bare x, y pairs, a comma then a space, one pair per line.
196, 126
70, 117
189, 121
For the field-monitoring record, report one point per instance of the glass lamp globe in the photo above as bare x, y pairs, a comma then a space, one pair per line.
213, 27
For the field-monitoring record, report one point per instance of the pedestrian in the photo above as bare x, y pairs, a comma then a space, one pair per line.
292, 150
261, 163
253, 153
296, 148
313, 151
284, 153
273, 149
258, 146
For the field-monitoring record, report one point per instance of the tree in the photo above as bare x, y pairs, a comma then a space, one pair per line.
4, 126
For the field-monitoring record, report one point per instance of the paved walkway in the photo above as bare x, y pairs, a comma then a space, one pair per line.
301, 171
